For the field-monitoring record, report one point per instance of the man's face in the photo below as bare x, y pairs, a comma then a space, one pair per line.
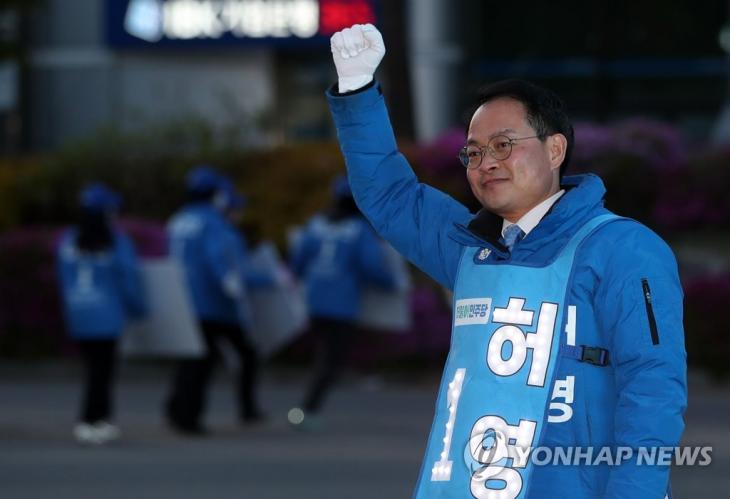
511, 187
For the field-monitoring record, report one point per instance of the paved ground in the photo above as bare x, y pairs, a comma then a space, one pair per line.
371, 446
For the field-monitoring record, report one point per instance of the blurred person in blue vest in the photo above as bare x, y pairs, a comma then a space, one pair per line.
567, 330
213, 254
336, 254
101, 289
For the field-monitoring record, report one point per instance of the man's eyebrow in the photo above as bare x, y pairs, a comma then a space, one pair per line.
498, 132
502, 132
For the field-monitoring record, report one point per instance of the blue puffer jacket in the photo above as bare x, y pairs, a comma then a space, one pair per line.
214, 257
99, 290
625, 276
336, 259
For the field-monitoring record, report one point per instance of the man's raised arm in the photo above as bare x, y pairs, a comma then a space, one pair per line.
413, 217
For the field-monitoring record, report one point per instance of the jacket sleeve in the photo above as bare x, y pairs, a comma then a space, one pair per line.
643, 313
64, 269
372, 262
302, 251
253, 278
133, 291
413, 217
222, 258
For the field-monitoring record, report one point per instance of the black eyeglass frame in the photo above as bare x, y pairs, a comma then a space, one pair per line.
464, 156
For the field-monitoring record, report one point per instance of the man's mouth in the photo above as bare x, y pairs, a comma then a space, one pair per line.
493, 181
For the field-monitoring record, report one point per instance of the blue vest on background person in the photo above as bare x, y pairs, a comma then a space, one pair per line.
335, 259
213, 255
500, 374
99, 290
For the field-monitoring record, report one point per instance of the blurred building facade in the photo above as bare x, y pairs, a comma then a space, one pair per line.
68, 68
80, 81
10, 71
608, 59
259, 65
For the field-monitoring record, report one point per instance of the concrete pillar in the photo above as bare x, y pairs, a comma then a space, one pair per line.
434, 62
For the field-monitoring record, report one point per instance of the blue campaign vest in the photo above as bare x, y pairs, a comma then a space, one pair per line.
498, 378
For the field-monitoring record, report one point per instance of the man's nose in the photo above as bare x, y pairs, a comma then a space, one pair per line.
488, 164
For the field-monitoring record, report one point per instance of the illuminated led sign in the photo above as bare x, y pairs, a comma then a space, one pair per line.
216, 22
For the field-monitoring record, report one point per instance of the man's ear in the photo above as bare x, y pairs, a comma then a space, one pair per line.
557, 147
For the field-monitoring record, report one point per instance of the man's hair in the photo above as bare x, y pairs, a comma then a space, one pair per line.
200, 195
94, 231
545, 110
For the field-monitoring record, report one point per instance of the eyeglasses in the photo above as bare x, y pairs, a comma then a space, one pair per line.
499, 147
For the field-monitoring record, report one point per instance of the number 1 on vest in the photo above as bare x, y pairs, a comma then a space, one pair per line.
441, 471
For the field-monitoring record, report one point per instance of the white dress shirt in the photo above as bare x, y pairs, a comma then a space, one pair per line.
530, 219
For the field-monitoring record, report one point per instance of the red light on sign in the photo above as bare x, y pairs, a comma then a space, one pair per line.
338, 14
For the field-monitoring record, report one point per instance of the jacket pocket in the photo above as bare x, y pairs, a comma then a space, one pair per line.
650, 311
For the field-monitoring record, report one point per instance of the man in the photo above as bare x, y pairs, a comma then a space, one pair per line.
336, 255
213, 255
567, 330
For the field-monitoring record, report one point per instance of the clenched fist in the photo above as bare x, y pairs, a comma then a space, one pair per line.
357, 51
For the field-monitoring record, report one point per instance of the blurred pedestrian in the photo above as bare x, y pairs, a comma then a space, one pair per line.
101, 288
336, 255
213, 255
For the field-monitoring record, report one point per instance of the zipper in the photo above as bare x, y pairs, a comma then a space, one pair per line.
650, 312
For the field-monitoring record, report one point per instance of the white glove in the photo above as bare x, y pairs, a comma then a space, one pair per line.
357, 51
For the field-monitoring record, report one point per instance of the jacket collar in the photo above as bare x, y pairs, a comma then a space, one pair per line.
583, 193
